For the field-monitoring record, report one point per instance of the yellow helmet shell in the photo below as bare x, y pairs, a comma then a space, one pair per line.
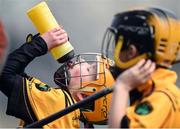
167, 36
99, 114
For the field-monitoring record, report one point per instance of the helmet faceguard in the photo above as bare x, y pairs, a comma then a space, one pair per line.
153, 31
97, 111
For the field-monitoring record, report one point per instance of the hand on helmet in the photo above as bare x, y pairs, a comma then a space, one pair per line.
136, 75
55, 37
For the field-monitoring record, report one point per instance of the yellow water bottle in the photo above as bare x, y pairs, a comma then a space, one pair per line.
44, 21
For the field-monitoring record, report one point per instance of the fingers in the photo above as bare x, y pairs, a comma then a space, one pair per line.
146, 70
56, 29
139, 64
152, 68
137, 75
62, 40
148, 67
145, 67
55, 37
59, 35
60, 32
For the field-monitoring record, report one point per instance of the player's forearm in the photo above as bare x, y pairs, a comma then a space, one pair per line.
118, 106
21, 57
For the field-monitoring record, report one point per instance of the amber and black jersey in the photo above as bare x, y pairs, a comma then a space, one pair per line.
158, 105
28, 98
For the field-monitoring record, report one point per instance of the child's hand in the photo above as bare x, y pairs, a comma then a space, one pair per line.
136, 75
55, 37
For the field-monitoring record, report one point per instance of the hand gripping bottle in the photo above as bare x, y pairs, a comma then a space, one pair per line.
44, 21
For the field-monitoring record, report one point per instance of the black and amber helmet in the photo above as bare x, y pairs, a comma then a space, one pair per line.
155, 32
